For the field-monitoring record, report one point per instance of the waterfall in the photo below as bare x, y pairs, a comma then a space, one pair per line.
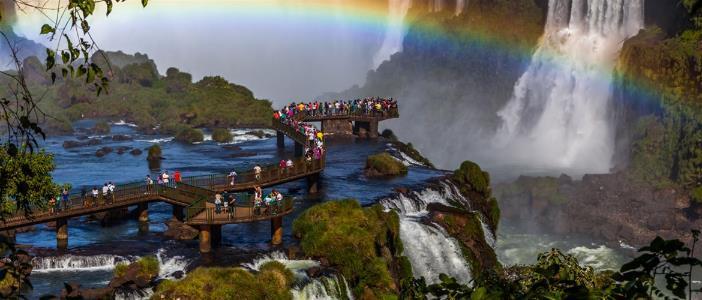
67, 263
559, 116
323, 288
429, 248
460, 6
395, 32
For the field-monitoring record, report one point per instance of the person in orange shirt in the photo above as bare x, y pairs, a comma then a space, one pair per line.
176, 178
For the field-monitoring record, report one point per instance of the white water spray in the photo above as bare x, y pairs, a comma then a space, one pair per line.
397, 11
430, 249
74, 263
460, 6
559, 115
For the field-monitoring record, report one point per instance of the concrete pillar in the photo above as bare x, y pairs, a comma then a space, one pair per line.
9, 235
281, 139
205, 239
143, 211
373, 129
62, 233
178, 213
298, 149
313, 183
277, 230
216, 235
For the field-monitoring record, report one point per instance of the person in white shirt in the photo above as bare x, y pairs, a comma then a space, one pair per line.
232, 177
165, 177
289, 163
257, 171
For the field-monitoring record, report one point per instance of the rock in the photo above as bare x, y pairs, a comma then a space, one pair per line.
180, 231
362, 133
243, 154
314, 272
103, 151
178, 274
133, 278
232, 147
323, 261
82, 137
122, 149
401, 190
294, 252
121, 137
135, 152
110, 217
76, 144
383, 165
258, 133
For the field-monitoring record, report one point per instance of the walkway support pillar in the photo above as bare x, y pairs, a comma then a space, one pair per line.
216, 235
277, 230
313, 183
178, 213
143, 211
298, 149
205, 239
281, 139
373, 129
62, 233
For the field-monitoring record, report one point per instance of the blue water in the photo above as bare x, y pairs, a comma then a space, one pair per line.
343, 178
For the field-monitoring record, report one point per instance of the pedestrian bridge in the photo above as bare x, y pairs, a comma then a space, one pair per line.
192, 198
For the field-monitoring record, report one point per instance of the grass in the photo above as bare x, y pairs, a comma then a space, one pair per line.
222, 135
350, 238
273, 281
148, 267
385, 165
190, 135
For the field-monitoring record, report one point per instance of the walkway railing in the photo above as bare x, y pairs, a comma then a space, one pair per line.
358, 113
243, 210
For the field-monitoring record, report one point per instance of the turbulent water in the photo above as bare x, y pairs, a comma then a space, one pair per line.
559, 116
397, 10
428, 247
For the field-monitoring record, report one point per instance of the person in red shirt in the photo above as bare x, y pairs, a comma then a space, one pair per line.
176, 178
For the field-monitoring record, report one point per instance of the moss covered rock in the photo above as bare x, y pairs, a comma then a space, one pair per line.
140, 273
384, 164
222, 135
272, 281
474, 184
154, 153
362, 243
190, 136
101, 127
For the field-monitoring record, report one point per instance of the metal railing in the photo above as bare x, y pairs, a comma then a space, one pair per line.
358, 113
244, 209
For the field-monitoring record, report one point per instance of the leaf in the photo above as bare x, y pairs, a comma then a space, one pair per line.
46, 28
85, 26
109, 7
50, 59
65, 57
53, 77
144, 2
64, 73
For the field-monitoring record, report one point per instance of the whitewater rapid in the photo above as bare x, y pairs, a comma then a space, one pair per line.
559, 117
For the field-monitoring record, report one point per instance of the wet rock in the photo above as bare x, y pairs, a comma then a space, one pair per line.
180, 231
135, 152
232, 147
133, 278
82, 137
314, 272
178, 274
111, 217
123, 149
243, 154
103, 151
258, 133
401, 190
76, 144
121, 137
294, 252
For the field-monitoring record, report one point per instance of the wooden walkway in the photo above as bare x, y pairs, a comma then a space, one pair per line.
193, 197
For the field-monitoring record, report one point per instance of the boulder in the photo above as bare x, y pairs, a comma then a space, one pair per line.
76, 144
384, 165
178, 274
232, 147
123, 149
135, 152
121, 137
180, 231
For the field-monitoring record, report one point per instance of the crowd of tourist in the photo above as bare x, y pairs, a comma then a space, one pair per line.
373, 106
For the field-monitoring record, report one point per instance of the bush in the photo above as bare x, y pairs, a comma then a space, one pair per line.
121, 269
352, 239
190, 136
470, 174
101, 128
149, 266
273, 281
222, 135
384, 164
154, 152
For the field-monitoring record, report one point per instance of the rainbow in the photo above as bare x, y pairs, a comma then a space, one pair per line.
367, 15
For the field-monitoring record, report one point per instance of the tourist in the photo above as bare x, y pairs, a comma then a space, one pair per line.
258, 198
232, 203
111, 189
257, 172
226, 205
282, 166
149, 184
218, 203
84, 196
95, 196
52, 205
232, 177
166, 177
105, 191
176, 178
64, 199
289, 164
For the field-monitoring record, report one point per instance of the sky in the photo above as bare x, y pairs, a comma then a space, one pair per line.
282, 50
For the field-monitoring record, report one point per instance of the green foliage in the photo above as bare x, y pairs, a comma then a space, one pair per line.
190, 135
385, 164
222, 135
349, 236
25, 179
148, 266
470, 174
273, 281
101, 127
